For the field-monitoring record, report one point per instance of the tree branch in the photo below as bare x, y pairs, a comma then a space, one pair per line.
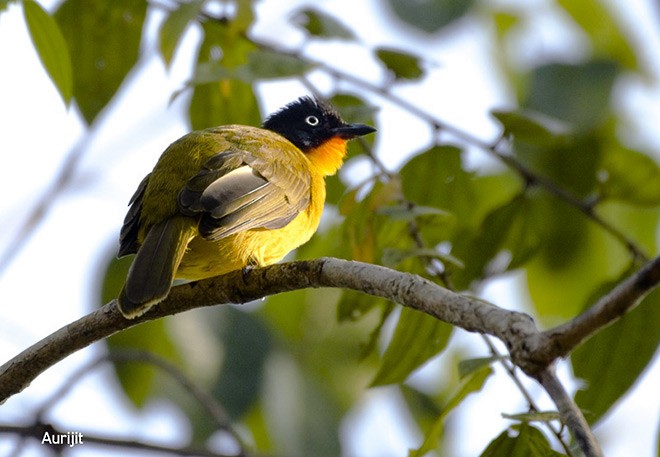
513, 374
533, 351
625, 296
472, 314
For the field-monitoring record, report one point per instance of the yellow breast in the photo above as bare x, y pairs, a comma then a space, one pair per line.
258, 247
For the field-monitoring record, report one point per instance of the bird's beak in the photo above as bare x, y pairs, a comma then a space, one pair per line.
348, 131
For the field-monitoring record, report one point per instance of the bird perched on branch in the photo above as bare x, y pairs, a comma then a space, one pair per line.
231, 197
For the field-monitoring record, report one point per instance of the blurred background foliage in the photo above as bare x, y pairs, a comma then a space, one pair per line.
567, 199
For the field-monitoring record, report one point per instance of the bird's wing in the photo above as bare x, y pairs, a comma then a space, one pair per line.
237, 191
128, 237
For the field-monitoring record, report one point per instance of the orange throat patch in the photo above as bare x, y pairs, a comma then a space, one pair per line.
329, 156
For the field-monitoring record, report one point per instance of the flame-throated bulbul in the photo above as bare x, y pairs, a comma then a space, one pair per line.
231, 197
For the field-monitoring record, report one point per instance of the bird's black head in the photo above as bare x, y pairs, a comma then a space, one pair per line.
309, 122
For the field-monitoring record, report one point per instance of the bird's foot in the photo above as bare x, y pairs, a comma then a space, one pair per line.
245, 272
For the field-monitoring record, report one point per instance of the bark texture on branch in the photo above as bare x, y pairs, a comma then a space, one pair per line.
517, 330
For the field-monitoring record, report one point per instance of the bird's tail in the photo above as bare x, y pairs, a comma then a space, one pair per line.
152, 272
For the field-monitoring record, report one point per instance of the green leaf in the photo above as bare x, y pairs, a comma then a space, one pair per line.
227, 101
322, 25
137, 379
366, 232
247, 343
210, 72
492, 191
244, 17
507, 238
51, 47
505, 22
334, 189
4, 4
475, 241
354, 305
512, 228
371, 345
541, 416
422, 406
302, 415
174, 25
575, 254
417, 338
401, 64
392, 257
629, 176
354, 109
452, 190
261, 65
411, 212
532, 127
436, 178
578, 94
572, 165
104, 37
288, 324
113, 277
529, 442
639, 223
474, 382
607, 38
265, 64
613, 359
431, 15
469, 366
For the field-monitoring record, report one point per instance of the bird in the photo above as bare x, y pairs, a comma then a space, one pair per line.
231, 198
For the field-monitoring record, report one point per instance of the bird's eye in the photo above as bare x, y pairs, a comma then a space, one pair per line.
312, 120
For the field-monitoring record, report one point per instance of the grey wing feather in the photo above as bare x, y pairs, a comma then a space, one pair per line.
232, 191
236, 192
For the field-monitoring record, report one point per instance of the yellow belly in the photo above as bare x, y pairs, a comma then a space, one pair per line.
260, 247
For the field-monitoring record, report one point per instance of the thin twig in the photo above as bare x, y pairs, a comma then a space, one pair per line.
562, 339
585, 207
570, 413
511, 371
207, 401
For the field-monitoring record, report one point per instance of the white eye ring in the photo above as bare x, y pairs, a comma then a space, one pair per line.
312, 120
